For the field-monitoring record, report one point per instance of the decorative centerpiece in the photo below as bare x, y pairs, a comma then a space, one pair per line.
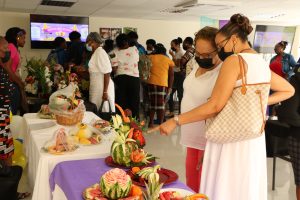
128, 123
114, 184
67, 106
126, 150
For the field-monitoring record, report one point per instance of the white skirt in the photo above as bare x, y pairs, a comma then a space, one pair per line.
96, 91
235, 171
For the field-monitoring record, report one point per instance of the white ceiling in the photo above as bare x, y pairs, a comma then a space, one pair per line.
283, 11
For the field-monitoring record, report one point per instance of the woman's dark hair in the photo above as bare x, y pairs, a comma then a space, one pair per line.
283, 44
122, 40
189, 40
239, 25
177, 41
207, 33
132, 38
12, 34
151, 42
160, 49
74, 35
108, 45
133, 35
58, 41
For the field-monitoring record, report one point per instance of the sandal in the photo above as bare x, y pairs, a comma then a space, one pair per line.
23, 195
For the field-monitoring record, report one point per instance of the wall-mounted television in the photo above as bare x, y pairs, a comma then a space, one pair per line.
45, 28
266, 37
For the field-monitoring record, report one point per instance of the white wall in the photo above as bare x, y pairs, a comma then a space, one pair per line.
161, 31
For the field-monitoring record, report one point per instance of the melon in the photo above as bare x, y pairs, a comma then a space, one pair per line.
121, 149
115, 184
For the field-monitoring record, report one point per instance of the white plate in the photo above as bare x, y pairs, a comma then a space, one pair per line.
182, 192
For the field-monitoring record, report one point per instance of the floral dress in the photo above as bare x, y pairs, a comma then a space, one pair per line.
6, 139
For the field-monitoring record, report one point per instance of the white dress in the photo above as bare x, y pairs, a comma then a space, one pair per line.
238, 171
99, 65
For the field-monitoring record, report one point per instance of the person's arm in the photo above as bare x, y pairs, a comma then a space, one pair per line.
292, 62
282, 89
13, 77
170, 79
222, 91
105, 86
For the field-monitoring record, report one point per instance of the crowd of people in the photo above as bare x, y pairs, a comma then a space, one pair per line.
202, 71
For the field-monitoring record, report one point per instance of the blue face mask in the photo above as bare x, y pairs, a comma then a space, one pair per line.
89, 48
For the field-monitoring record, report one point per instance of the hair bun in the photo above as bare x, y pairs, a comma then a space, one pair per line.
179, 39
243, 23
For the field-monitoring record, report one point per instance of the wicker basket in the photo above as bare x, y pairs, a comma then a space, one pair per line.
70, 120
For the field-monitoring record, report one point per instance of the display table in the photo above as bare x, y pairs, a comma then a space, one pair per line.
41, 164
69, 179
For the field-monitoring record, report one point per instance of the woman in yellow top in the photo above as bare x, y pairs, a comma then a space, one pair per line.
160, 82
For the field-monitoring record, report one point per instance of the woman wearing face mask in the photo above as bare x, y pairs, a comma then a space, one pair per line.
101, 85
198, 86
283, 63
176, 52
150, 44
16, 38
236, 170
189, 53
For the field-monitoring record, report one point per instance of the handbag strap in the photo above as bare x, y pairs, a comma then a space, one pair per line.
101, 106
243, 73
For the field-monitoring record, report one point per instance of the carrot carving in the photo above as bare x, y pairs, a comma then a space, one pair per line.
125, 118
130, 135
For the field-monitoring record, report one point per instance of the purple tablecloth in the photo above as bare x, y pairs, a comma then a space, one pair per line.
74, 176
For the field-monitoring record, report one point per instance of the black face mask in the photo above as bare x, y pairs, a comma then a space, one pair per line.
222, 54
173, 49
6, 57
205, 63
185, 47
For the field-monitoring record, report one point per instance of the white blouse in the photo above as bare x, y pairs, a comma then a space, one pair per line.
197, 90
127, 61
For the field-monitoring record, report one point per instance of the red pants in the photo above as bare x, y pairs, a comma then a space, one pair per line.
193, 166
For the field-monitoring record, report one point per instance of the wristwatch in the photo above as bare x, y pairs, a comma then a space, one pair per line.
176, 119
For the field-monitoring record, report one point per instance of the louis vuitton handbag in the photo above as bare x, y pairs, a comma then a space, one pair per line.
243, 116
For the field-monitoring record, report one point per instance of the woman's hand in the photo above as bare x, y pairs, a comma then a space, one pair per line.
166, 128
105, 96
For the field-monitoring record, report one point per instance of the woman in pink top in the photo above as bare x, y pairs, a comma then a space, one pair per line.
16, 38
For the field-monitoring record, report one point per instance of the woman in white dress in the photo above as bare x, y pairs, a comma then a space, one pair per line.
235, 171
101, 85
198, 86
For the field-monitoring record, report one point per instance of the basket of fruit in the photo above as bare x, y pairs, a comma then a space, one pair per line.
66, 106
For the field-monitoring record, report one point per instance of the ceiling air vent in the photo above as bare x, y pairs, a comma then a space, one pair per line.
174, 10
57, 3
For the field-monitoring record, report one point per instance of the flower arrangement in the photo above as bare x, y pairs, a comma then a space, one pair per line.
38, 79
59, 77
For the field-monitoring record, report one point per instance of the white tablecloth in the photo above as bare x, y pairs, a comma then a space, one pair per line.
41, 164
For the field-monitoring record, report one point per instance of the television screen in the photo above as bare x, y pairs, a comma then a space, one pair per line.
45, 28
266, 37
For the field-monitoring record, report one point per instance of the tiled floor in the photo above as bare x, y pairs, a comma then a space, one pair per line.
172, 156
